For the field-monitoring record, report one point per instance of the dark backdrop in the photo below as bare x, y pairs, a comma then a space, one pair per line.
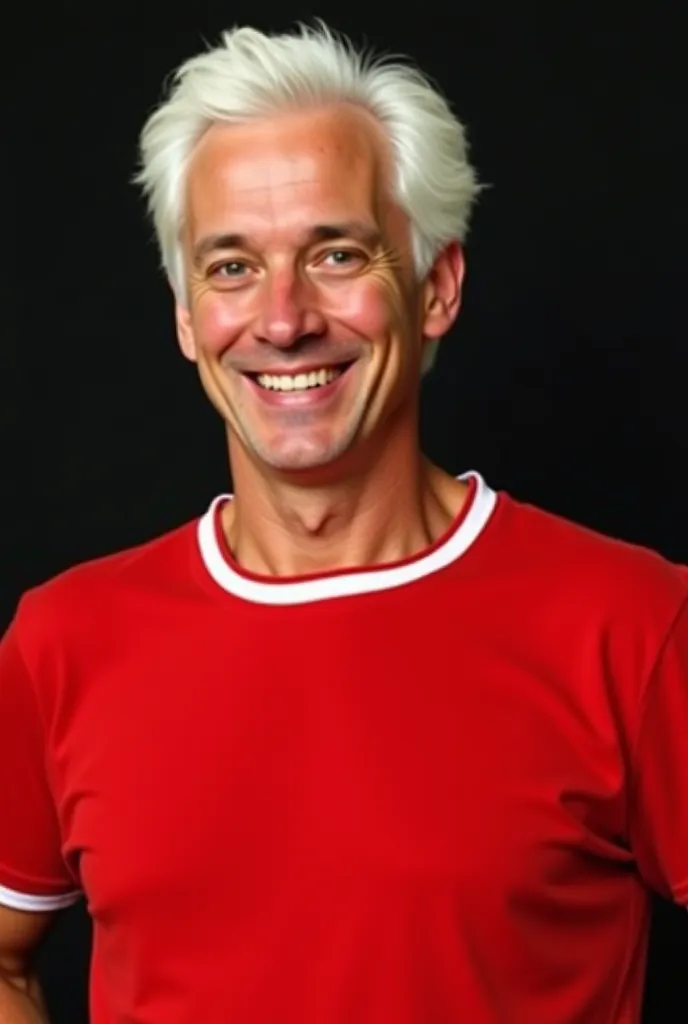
564, 382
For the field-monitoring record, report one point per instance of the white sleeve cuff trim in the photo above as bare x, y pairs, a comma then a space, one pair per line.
24, 901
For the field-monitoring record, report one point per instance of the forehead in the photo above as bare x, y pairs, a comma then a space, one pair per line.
287, 170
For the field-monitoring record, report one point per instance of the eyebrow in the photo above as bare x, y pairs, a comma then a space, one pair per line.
365, 233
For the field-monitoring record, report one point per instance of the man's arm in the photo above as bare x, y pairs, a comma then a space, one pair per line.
21, 1001
659, 791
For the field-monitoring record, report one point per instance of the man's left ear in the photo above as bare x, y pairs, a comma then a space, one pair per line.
442, 292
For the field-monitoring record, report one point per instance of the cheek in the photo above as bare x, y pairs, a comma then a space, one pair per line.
371, 307
218, 321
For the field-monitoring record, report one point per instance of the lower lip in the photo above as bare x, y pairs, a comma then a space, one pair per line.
305, 399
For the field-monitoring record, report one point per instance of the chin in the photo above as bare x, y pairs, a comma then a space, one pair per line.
296, 462
301, 457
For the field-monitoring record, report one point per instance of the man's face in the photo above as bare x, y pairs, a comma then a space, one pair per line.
304, 315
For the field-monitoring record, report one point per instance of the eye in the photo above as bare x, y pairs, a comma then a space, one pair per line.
342, 258
230, 268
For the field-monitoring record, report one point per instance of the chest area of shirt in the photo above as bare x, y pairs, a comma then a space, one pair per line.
401, 761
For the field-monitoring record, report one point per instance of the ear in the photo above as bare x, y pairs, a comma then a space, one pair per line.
185, 332
442, 292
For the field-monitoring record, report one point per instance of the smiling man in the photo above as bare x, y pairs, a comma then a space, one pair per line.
302, 307
365, 743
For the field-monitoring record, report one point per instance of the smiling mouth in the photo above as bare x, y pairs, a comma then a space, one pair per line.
316, 378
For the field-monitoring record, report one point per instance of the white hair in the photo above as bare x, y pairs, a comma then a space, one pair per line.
254, 75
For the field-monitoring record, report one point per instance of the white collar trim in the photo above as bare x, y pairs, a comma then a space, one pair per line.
348, 583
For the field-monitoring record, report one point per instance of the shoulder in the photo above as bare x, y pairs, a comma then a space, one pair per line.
595, 577
94, 593
595, 613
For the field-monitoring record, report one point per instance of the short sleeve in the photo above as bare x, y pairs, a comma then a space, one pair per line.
33, 874
659, 798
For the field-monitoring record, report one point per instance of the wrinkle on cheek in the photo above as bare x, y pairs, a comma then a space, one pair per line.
217, 318
386, 278
204, 296
372, 306
381, 286
198, 288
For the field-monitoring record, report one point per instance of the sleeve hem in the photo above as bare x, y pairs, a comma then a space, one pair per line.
680, 894
27, 901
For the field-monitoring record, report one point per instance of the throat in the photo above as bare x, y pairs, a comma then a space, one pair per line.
308, 534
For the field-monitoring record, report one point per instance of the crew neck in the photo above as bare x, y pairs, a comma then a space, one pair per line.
289, 590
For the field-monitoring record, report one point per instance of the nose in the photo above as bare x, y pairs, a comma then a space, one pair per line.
289, 312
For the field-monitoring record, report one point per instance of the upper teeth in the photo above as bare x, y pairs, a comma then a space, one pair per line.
299, 381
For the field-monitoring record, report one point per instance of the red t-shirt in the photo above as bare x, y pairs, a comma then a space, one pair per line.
427, 793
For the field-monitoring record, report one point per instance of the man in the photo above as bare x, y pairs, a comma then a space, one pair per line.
366, 744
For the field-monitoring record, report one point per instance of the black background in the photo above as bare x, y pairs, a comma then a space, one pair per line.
564, 382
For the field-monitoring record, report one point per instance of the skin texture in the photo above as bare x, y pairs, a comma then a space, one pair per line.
298, 258
21, 1000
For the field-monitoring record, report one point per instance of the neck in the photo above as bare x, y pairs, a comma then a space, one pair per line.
390, 510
